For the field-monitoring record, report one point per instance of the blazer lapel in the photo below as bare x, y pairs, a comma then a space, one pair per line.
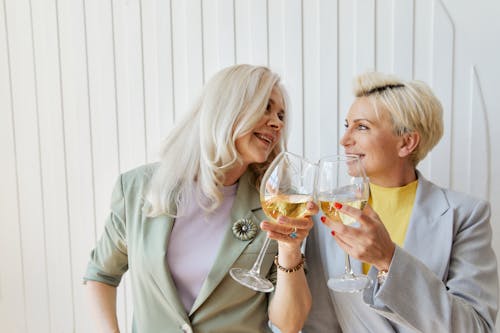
156, 233
246, 201
430, 232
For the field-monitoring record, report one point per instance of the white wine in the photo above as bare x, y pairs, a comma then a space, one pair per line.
328, 207
293, 205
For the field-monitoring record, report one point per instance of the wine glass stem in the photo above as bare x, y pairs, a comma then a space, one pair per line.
348, 269
258, 262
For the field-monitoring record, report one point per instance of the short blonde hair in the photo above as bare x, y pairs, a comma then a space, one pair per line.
201, 148
411, 105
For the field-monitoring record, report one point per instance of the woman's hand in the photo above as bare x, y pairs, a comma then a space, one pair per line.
290, 232
369, 243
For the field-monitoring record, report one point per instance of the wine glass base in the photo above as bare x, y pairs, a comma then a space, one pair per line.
349, 283
251, 280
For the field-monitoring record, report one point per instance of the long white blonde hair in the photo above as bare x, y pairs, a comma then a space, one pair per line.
201, 148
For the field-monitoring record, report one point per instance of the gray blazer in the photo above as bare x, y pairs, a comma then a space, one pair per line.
443, 279
136, 243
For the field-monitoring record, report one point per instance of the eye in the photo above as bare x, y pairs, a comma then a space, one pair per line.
362, 127
268, 107
346, 125
281, 116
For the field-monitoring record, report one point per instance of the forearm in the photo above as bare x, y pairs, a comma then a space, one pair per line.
291, 302
102, 301
452, 306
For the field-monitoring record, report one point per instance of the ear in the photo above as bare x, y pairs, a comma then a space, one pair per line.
409, 142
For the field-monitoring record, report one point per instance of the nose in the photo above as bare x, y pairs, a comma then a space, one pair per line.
345, 140
275, 122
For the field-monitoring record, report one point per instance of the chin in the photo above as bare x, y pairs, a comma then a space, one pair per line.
261, 158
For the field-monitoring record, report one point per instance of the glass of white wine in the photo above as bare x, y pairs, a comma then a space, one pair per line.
342, 179
286, 188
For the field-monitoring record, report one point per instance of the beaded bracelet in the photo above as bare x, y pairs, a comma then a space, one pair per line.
290, 270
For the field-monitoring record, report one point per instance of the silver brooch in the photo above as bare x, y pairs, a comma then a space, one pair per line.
244, 229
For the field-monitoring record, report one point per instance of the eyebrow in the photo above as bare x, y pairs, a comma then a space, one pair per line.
360, 119
273, 102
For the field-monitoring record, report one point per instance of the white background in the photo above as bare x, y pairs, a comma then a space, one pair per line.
89, 88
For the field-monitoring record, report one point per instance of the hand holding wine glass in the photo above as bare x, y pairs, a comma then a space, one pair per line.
342, 180
286, 189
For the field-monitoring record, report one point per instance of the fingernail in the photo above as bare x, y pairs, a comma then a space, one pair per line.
310, 205
281, 220
323, 219
338, 205
333, 233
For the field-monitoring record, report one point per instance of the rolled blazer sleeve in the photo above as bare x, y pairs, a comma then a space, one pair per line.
109, 260
465, 300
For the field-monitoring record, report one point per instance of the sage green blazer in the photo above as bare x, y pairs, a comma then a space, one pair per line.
138, 244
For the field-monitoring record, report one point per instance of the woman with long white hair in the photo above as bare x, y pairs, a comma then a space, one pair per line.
179, 225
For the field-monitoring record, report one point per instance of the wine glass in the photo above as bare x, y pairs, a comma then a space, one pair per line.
286, 187
342, 179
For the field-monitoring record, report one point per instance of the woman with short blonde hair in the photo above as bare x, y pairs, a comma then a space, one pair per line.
426, 249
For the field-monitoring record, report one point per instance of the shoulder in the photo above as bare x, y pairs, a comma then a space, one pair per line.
462, 204
137, 179
460, 199
139, 174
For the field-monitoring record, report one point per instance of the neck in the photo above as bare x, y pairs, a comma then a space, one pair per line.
233, 175
397, 178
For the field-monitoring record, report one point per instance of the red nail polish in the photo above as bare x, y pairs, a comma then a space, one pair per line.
333, 233
323, 219
338, 205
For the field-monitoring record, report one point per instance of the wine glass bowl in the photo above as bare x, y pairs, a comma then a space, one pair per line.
286, 187
342, 179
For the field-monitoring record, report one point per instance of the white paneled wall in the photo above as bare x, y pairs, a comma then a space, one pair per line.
88, 88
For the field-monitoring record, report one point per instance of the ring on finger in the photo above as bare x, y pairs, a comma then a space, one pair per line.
293, 234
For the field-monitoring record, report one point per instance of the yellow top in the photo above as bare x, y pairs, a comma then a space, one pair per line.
394, 206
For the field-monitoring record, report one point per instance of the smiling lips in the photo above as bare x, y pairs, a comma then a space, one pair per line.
358, 155
267, 138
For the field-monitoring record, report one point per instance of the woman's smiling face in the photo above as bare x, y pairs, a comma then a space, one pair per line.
255, 146
371, 136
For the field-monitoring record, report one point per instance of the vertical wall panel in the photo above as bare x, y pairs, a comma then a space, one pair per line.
330, 120
102, 103
77, 136
384, 17
364, 34
275, 32
12, 292
442, 82
103, 97
251, 24
346, 64
422, 55
26, 129
320, 114
311, 54
293, 76
158, 85
128, 70
52, 152
187, 47
402, 38
285, 57
218, 30
479, 145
